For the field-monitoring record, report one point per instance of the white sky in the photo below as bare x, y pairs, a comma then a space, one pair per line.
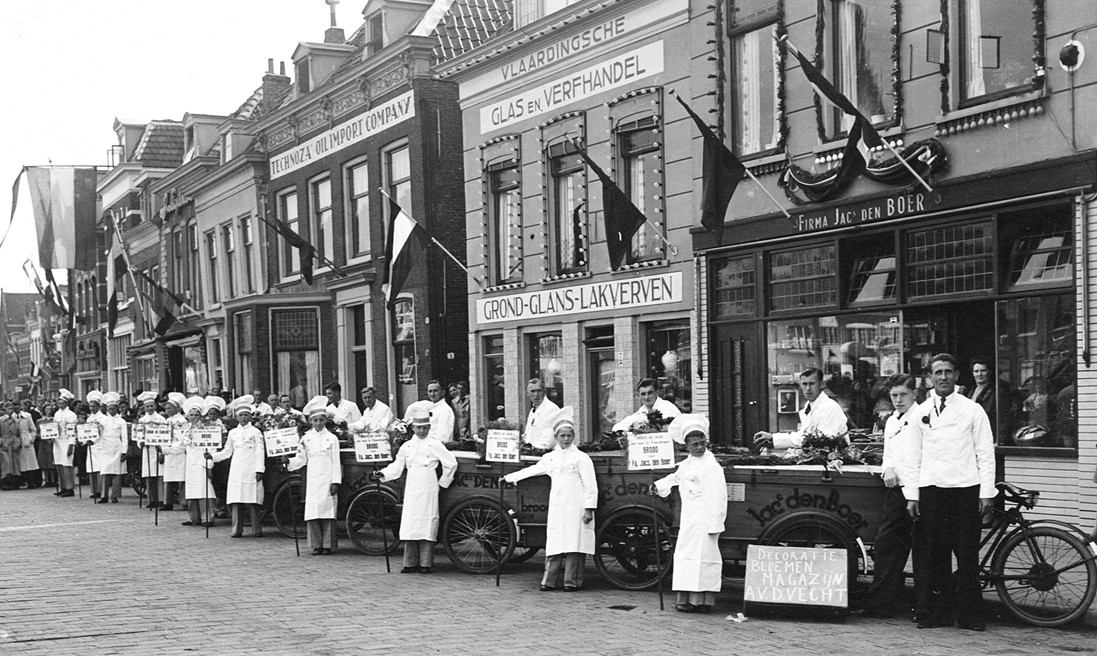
69, 67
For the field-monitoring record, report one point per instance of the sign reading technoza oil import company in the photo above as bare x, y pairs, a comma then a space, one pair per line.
596, 297
382, 117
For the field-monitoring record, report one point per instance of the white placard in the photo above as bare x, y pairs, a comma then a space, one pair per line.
282, 442
650, 451
86, 433
502, 446
206, 438
158, 434
49, 431
372, 447
136, 432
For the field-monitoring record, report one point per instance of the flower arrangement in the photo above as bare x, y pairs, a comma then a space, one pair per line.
831, 451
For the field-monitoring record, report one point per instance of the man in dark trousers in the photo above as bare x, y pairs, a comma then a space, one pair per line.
951, 490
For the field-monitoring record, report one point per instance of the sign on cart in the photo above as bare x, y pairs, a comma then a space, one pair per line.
372, 447
502, 446
650, 451
282, 442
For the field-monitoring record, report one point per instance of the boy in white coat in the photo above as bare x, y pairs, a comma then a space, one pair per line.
319, 450
245, 489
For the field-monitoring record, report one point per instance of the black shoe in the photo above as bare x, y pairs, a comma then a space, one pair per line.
317, 552
410, 570
236, 535
103, 500
686, 608
424, 570
934, 622
547, 588
571, 588
188, 523
113, 500
257, 535
704, 609
977, 625
325, 551
95, 496
58, 493
67, 493
167, 508
207, 523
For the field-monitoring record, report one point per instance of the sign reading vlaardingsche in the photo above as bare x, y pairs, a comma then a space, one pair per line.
596, 297
603, 76
379, 118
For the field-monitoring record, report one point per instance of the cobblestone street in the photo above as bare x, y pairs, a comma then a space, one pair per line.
79, 578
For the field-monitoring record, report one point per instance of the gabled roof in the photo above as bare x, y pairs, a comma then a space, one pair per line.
161, 145
248, 111
470, 23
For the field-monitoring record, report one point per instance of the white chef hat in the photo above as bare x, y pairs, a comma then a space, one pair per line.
193, 403
146, 396
316, 405
243, 404
65, 395
176, 398
110, 398
419, 412
94, 396
213, 403
562, 418
683, 425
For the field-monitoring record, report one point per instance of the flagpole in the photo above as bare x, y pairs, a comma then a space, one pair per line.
129, 270
439, 244
907, 165
659, 234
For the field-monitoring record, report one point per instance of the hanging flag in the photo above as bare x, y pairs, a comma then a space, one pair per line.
720, 175
165, 303
305, 250
64, 202
51, 308
14, 204
114, 269
407, 240
622, 218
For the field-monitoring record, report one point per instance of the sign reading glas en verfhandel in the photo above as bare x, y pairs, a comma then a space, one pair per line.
379, 118
661, 289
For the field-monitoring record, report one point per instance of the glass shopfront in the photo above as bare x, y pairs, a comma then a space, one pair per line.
989, 288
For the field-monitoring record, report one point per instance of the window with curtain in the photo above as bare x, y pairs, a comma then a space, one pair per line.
1041, 249
248, 241
295, 343
642, 178
242, 323
506, 223
322, 237
228, 241
403, 347
195, 277
214, 274
568, 207
546, 361
398, 176
862, 58
756, 122
996, 47
357, 193
287, 213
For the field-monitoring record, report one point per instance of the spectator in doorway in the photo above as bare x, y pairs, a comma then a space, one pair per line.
462, 420
993, 395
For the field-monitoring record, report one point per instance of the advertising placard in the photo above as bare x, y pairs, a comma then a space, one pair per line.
206, 438
502, 446
86, 433
372, 447
650, 451
282, 442
158, 434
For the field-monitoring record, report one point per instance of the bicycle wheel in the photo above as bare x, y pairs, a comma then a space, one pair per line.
522, 554
1043, 577
289, 509
372, 521
625, 549
477, 533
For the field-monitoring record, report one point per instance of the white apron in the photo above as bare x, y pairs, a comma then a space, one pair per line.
245, 447
320, 452
421, 456
574, 489
61, 455
198, 483
112, 444
93, 455
698, 565
174, 469
150, 468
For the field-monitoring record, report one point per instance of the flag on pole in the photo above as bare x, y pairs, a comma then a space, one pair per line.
407, 240
51, 306
720, 175
112, 290
64, 202
305, 250
165, 303
622, 218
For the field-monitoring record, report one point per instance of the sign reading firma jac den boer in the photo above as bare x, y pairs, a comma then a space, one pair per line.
364, 125
596, 297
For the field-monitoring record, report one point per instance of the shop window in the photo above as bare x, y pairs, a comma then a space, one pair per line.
861, 52
567, 207
642, 181
505, 229
320, 218
950, 260
1041, 249
244, 349
854, 352
669, 360
872, 270
195, 375
295, 345
733, 284
996, 46
287, 213
357, 193
546, 361
1036, 361
403, 346
603, 376
755, 92
495, 391
214, 274
803, 278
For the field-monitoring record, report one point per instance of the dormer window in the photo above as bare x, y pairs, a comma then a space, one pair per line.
529, 11
302, 70
375, 32
188, 143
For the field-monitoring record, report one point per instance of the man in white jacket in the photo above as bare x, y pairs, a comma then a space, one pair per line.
650, 401
539, 433
820, 412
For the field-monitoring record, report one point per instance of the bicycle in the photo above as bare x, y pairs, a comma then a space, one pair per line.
1044, 571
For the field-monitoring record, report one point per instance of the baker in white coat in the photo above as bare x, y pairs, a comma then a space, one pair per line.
197, 488
698, 565
151, 465
441, 415
113, 442
319, 450
539, 431
376, 418
245, 489
650, 401
820, 412
174, 468
572, 501
419, 518
92, 449
64, 446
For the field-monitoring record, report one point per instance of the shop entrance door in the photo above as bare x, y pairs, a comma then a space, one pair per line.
738, 383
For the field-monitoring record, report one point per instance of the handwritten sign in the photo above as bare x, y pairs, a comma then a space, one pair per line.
87, 433
206, 438
502, 446
797, 576
158, 434
282, 442
50, 431
372, 447
650, 451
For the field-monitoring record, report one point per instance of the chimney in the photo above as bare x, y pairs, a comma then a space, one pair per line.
275, 87
334, 34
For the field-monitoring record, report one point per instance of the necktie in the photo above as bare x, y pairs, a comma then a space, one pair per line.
941, 408
807, 410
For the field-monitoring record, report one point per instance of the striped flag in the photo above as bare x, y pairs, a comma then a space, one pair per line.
65, 206
407, 240
165, 303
